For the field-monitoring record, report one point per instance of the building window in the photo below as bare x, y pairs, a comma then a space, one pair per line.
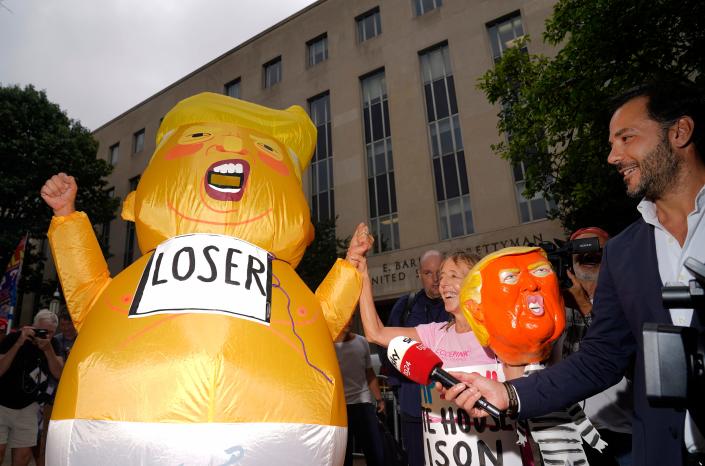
503, 33
130, 239
369, 25
424, 6
272, 72
232, 88
105, 230
317, 50
322, 195
380, 164
537, 207
114, 153
449, 171
138, 141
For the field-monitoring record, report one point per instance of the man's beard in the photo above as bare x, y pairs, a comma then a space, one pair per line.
658, 172
585, 275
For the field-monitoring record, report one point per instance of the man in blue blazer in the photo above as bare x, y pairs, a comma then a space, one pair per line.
658, 146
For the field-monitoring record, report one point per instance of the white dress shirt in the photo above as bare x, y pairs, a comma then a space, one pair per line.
671, 257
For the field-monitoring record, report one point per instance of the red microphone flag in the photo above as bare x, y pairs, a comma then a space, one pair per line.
412, 359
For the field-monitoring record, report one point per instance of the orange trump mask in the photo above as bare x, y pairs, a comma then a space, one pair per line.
513, 303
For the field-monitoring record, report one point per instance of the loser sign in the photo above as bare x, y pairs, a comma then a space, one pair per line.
206, 273
453, 438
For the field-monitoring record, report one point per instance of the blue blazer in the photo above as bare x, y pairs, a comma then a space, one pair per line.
628, 295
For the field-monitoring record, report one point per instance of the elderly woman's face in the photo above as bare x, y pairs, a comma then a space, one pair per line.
451, 277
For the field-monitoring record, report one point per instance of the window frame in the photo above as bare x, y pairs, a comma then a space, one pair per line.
138, 138
130, 232
360, 30
494, 38
114, 150
322, 164
418, 6
449, 165
310, 56
527, 209
231, 84
379, 164
276, 61
105, 229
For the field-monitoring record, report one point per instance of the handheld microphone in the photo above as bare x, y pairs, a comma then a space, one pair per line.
422, 365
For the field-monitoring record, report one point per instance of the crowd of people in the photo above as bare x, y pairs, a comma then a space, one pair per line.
656, 135
656, 138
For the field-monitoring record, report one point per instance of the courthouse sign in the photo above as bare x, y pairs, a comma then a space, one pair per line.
396, 273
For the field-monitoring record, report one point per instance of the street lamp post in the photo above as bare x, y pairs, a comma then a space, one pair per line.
55, 302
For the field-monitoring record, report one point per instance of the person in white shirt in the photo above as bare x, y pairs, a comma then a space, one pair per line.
361, 387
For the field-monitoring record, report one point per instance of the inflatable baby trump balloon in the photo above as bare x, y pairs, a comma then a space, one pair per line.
513, 303
208, 349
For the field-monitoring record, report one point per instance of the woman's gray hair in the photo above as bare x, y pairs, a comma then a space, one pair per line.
46, 314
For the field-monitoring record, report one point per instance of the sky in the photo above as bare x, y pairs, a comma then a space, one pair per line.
98, 58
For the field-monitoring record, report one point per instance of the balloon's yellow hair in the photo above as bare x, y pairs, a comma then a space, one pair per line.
292, 127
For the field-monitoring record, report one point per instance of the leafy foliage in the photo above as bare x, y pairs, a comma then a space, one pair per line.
321, 254
38, 140
557, 109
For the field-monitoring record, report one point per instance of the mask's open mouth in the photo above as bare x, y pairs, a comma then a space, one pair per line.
535, 304
225, 180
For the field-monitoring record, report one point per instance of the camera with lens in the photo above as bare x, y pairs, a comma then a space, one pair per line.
560, 254
674, 356
41, 333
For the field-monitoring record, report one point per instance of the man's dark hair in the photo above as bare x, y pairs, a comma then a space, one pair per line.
669, 100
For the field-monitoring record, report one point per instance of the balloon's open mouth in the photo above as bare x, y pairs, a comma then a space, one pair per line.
225, 180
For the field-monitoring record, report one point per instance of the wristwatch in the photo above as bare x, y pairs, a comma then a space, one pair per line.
513, 398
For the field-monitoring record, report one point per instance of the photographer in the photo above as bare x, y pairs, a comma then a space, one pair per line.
585, 268
27, 359
610, 411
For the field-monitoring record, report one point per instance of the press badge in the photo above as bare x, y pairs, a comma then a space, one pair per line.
206, 273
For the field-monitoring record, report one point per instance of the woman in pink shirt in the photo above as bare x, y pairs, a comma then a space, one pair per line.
454, 342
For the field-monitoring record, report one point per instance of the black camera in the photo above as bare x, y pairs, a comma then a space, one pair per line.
560, 254
674, 356
41, 333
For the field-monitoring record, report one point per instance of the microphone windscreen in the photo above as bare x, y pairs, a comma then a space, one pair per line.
412, 359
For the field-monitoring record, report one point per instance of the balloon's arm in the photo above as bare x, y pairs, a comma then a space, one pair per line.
338, 294
79, 262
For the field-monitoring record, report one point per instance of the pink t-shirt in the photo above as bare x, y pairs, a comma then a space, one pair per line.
455, 349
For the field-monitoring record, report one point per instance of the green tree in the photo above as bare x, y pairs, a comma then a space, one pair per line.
321, 254
557, 109
38, 140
